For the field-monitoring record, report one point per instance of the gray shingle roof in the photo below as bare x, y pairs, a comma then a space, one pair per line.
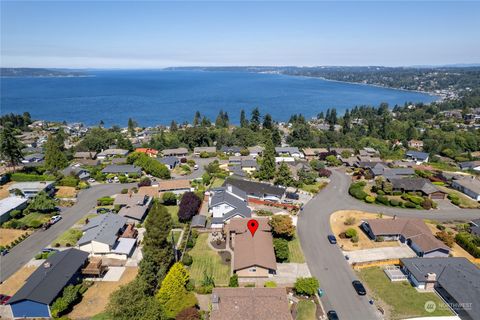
414, 184
223, 195
232, 149
127, 168
171, 161
45, 284
256, 189
417, 155
103, 228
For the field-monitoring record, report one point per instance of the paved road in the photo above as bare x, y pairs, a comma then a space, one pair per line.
28, 248
326, 261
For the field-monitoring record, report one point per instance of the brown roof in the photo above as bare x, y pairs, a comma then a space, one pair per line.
173, 185
314, 151
129, 199
414, 229
250, 304
256, 250
149, 191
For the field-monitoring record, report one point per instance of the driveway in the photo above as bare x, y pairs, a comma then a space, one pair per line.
326, 261
377, 254
27, 249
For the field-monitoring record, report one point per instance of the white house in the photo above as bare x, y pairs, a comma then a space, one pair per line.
469, 186
289, 151
31, 189
226, 203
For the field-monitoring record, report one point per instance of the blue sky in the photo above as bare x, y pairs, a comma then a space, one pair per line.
122, 34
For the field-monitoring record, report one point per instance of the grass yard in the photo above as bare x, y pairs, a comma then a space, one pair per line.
207, 260
35, 219
68, 238
217, 182
306, 310
403, 300
173, 210
84, 219
66, 192
296, 253
4, 190
101, 316
17, 280
314, 188
465, 201
176, 236
7, 236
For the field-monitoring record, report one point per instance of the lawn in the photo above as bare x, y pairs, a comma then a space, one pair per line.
7, 236
173, 210
84, 219
205, 260
176, 236
314, 188
217, 182
403, 299
35, 219
465, 201
66, 192
306, 310
70, 237
296, 253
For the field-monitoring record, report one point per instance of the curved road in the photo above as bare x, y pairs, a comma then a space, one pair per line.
326, 261
27, 249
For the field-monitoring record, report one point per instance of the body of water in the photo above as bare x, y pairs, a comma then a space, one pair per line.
157, 97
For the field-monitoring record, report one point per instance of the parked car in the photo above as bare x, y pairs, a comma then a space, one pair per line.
5, 299
103, 210
292, 195
49, 250
195, 167
359, 288
332, 239
116, 180
55, 219
91, 180
3, 252
332, 315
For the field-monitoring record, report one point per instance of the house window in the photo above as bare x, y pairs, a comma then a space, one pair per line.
252, 269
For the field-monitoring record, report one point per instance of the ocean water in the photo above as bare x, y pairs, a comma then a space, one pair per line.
157, 97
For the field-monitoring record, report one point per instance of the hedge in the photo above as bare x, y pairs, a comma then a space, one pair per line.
105, 201
357, 192
409, 204
369, 199
395, 203
26, 177
466, 241
383, 200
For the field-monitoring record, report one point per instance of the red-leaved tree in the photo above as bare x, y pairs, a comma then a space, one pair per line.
189, 206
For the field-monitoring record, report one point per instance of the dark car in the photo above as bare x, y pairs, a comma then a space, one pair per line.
332, 239
359, 288
332, 315
5, 300
292, 195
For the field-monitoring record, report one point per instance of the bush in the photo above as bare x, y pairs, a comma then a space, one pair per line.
189, 314
26, 177
397, 193
187, 259
456, 202
383, 200
282, 252
105, 201
440, 227
380, 192
356, 190
395, 203
270, 284
446, 238
145, 182
409, 204
306, 286
124, 191
64, 303
189, 206
149, 165
416, 200
169, 199
452, 196
69, 181
16, 214
282, 226
350, 221
350, 233
427, 204
324, 173
233, 282
369, 199
263, 213
354, 239
467, 242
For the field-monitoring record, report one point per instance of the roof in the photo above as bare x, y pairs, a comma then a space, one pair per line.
113, 152
314, 151
133, 212
73, 170
46, 283
417, 155
34, 156
256, 149
204, 149
249, 163
256, 250
232, 149
126, 168
257, 189
147, 151
458, 276
414, 229
130, 199
175, 151
289, 150
151, 191
177, 184
469, 164
250, 303
169, 160
469, 183
32, 185
103, 228
85, 154
10, 203
124, 245
235, 198
414, 184
199, 221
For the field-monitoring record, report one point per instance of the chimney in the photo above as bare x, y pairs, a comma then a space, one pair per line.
430, 280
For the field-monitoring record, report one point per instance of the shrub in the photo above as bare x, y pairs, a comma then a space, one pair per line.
467, 242
233, 282
16, 214
34, 224
356, 190
145, 182
282, 252
124, 191
306, 286
169, 199
324, 173
446, 238
26, 177
149, 165
395, 203
69, 297
397, 193
270, 284
379, 239
440, 227
282, 226
354, 239
189, 206
380, 192
369, 199
409, 204
452, 196
189, 314
263, 213
427, 204
456, 202
416, 200
350, 233
105, 201
187, 259
69, 181
383, 200
350, 221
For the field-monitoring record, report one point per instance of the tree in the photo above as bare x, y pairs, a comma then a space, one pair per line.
173, 126
243, 119
55, 159
189, 314
350, 233
196, 119
267, 122
132, 124
10, 147
332, 160
446, 238
206, 122
282, 226
282, 252
267, 168
123, 143
346, 121
189, 206
233, 282
307, 286
169, 199
42, 203
284, 176
255, 120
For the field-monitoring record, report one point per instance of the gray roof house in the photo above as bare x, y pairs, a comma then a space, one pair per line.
417, 156
9, 204
475, 227
198, 150
290, 151
34, 157
469, 186
262, 191
470, 165
456, 280
78, 172
170, 161
179, 152
122, 169
231, 150
227, 202
133, 206
46, 283
108, 153
417, 185
31, 189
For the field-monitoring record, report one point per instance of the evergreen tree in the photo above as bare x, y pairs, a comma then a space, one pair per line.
346, 121
131, 126
173, 126
220, 121
55, 159
196, 119
321, 115
10, 146
267, 122
284, 176
243, 119
255, 120
206, 122
101, 124
267, 168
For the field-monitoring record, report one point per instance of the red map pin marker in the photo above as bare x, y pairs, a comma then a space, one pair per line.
252, 225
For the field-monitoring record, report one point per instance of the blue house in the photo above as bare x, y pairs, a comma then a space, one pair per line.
33, 300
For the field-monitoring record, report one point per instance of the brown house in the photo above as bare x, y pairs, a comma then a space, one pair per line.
254, 256
250, 303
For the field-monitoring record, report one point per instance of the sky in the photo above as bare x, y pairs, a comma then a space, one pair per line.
157, 34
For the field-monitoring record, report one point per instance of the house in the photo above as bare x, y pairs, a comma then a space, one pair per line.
284, 159
313, 153
253, 256
133, 206
456, 280
46, 283
289, 151
348, 152
153, 153
89, 162
31, 189
125, 169
381, 169
177, 186
231, 150
77, 172
10, 204
469, 186
170, 161
226, 203
102, 236
417, 156
413, 232
110, 153
120, 160
475, 227
257, 190
249, 303
177, 152
369, 152
415, 144
33, 158
246, 163
255, 151
470, 165
417, 185
199, 221
85, 155
198, 150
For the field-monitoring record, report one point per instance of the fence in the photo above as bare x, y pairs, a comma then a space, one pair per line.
379, 263
285, 206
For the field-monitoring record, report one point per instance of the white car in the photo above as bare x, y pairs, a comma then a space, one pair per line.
55, 219
91, 180
195, 167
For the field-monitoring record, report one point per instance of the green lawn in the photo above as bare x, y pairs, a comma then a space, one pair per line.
88, 216
405, 301
173, 210
207, 260
217, 183
313, 188
306, 310
35, 219
176, 236
296, 253
101, 316
70, 236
